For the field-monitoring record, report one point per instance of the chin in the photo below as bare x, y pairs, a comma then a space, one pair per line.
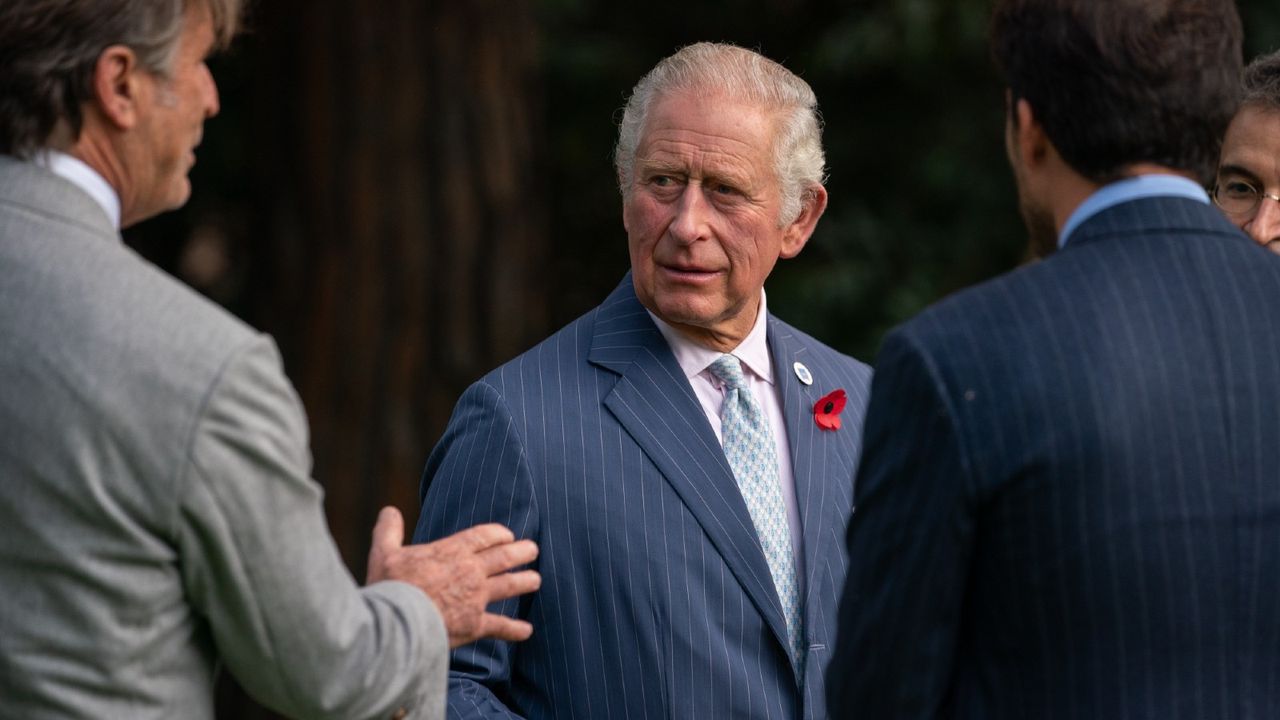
682, 313
179, 196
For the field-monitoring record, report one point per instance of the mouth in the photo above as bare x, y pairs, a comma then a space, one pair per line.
689, 273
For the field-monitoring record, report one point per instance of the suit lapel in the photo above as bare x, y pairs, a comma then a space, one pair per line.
808, 458
653, 402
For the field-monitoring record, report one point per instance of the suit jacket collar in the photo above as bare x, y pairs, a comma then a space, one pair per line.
1145, 215
38, 190
653, 401
809, 456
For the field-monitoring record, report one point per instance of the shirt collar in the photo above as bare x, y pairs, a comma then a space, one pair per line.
84, 177
753, 351
1142, 186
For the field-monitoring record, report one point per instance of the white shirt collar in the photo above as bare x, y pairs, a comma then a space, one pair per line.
84, 177
753, 351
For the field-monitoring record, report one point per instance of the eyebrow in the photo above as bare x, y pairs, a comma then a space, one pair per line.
663, 167
660, 166
1238, 170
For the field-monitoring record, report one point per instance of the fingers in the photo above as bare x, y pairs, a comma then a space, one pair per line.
481, 537
388, 536
509, 585
504, 628
388, 532
501, 558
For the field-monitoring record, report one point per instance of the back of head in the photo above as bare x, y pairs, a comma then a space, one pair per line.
726, 71
1119, 82
48, 49
1262, 82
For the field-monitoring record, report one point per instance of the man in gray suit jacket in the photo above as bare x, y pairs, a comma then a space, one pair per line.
156, 511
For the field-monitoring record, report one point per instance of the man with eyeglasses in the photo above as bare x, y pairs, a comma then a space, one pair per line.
1248, 187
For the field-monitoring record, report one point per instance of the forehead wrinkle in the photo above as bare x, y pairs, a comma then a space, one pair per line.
1253, 144
697, 160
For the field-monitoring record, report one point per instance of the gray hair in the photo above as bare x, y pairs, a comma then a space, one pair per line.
1262, 82
50, 48
743, 75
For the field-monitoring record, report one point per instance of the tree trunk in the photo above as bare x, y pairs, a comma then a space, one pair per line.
402, 250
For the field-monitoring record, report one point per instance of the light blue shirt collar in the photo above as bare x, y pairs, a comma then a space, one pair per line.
1142, 186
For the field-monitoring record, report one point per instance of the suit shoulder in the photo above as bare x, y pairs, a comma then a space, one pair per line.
819, 351
565, 348
989, 306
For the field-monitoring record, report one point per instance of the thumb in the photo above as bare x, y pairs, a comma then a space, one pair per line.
388, 536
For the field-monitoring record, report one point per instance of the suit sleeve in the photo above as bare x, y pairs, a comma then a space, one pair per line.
909, 543
479, 473
259, 564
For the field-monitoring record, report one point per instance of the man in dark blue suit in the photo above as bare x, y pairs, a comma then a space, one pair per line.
678, 453
1069, 500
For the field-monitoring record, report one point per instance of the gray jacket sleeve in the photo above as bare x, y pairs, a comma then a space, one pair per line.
259, 564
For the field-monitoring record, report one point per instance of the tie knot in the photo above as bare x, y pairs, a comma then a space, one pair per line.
729, 369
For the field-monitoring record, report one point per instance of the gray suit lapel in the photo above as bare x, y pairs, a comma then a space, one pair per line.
655, 405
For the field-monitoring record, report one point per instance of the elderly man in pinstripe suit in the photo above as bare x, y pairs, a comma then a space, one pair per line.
678, 453
1069, 504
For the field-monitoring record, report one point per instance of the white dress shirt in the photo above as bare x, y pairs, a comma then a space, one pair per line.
83, 177
757, 365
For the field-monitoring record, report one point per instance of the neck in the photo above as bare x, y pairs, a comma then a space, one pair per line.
724, 336
94, 148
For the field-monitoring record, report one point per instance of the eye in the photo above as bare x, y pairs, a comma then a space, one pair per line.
1237, 189
723, 189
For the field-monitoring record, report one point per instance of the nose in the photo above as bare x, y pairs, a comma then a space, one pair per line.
1264, 228
211, 104
691, 214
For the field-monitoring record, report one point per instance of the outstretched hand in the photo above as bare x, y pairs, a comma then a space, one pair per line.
461, 574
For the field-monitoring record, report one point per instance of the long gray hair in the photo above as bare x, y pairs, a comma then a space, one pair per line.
712, 69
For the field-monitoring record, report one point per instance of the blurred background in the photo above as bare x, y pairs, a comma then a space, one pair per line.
407, 193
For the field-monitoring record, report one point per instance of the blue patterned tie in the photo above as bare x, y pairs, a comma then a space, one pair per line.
749, 447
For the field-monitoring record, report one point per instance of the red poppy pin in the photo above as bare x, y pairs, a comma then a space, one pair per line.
826, 412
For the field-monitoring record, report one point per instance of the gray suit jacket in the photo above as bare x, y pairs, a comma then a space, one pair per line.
156, 507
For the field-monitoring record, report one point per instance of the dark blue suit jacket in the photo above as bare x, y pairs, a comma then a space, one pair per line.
656, 600
1069, 506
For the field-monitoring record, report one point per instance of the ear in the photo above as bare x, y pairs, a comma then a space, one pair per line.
117, 82
1029, 138
796, 234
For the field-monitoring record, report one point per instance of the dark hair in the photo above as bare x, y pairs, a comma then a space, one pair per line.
1118, 82
49, 48
1262, 81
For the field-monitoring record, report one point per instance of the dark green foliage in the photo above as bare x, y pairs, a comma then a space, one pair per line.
922, 201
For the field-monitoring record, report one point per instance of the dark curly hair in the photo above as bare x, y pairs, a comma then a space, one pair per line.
1262, 81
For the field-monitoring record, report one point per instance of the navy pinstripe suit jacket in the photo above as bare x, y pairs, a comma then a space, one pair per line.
1069, 506
656, 599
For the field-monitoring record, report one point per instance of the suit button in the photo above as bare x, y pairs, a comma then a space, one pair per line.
401, 714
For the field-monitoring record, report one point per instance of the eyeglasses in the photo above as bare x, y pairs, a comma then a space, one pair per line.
1239, 198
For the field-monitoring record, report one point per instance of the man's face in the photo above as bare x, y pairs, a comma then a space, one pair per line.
1251, 157
171, 115
702, 216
